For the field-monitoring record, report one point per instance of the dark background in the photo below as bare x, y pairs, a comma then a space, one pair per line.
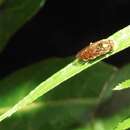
63, 27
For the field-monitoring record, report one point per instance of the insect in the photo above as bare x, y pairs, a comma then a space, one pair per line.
95, 50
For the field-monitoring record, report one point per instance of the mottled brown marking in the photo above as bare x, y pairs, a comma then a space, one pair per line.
95, 50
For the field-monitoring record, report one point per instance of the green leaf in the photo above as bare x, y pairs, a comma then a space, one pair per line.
123, 85
62, 107
121, 40
2, 2
110, 119
122, 78
124, 125
13, 14
115, 109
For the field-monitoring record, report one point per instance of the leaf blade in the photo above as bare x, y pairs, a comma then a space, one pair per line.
122, 41
13, 14
123, 85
